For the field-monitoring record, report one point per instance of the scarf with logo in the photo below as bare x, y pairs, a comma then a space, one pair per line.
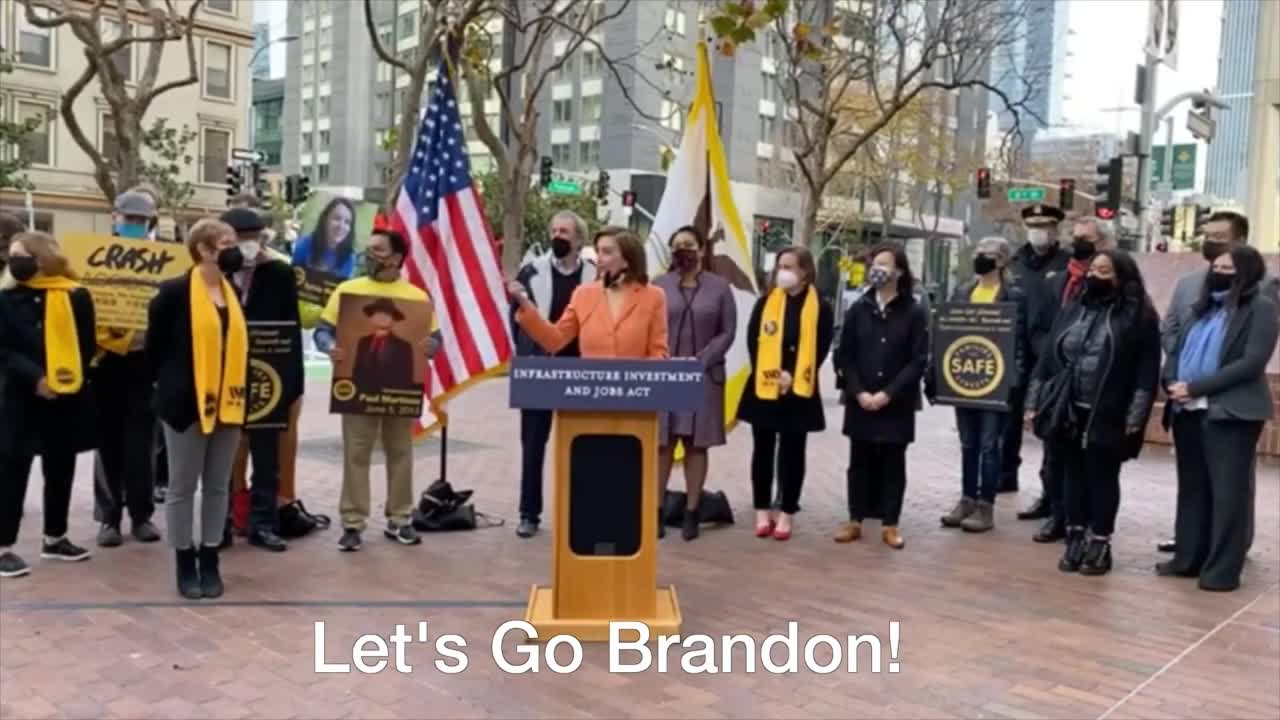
769, 346
63, 371
219, 375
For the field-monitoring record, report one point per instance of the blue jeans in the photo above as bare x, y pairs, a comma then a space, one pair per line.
980, 432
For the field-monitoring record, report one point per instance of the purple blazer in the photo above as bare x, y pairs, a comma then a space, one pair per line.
701, 323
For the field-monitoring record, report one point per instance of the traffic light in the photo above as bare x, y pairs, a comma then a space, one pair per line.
984, 183
544, 170
1202, 213
259, 183
290, 188
233, 181
628, 198
1168, 218
1110, 177
1066, 194
602, 186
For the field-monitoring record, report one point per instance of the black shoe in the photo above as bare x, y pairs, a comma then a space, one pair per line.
227, 538
1167, 546
12, 566
527, 528
210, 578
188, 575
158, 495
1039, 510
1074, 554
689, 526
145, 532
267, 540
1053, 530
1168, 569
1097, 558
109, 536
64, 550
403, 534
350, 540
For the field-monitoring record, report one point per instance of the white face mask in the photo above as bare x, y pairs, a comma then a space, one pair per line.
787, 279
250, 249
1039, 238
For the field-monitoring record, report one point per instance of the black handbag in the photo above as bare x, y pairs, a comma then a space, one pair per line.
1055, 413
443, 509
713, 507
296, 521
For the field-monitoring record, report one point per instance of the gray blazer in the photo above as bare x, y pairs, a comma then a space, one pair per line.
1182, 304
1238, 390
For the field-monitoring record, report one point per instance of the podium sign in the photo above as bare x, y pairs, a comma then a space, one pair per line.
605, 528
973, 354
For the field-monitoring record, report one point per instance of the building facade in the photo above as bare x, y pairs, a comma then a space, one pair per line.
261, 57
48, 62
268, 122
1038, 57
1228, 162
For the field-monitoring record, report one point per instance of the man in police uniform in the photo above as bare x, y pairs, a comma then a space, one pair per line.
1033, 268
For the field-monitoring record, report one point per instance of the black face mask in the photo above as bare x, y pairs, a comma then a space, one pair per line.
23, 267
1096, 288
685, 260
230, 260
560, 247
983, 264
1211, 250
375, 266
1082, 249
1218, 281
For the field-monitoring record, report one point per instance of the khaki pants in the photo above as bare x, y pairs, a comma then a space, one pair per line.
359, 434
287, 459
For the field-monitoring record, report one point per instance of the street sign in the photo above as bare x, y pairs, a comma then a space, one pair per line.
564, 187
1030, 194
1184, 166
247, 155
1201, 125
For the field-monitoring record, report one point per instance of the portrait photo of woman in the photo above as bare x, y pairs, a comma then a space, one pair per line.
330, 247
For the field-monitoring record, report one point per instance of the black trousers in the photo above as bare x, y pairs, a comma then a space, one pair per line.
122, 477
59, 469
264, 450
877, 481
1092, 486
1053, 482
535, 431
160, 462
1215, 497
1011, 443
783, 453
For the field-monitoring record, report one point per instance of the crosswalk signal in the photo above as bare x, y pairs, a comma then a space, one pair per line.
544, 170
1108, 188
1168, 217
233, 181
259, 183
984, 183
602, 186
1066, 194
628, 198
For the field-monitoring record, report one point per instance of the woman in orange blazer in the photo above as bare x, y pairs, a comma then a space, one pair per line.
620, 316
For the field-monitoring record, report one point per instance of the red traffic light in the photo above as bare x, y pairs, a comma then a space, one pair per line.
1105, 213
984, 183
628, 198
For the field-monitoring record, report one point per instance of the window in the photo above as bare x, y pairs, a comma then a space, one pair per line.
123, 58
562, 154
324, 139
766, 129
382, 104
308, 40
222, 6
674, 22
671, 117
768, 91
562, 112
308, 74
592, 66
564, 73
37, 147
407, 26
217, 70
591, 109
326, 37
590, 151
595, 14
307, 110
107, 137
673, 63
308, 142
322, 106
384, 34
322, 172
35, 45
213, 161
324, 72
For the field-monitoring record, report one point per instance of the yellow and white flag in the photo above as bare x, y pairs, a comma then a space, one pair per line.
698, 193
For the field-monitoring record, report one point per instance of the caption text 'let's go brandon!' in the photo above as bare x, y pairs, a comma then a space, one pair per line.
777, 654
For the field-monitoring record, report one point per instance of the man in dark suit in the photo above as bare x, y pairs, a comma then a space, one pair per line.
383, 359
268, 294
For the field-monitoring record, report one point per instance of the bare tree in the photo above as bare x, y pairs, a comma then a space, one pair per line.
86, 22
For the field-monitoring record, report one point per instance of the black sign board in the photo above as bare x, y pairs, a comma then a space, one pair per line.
271, 346
315, 286
973, 354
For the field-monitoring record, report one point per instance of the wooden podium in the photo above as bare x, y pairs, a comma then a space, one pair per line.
605, 507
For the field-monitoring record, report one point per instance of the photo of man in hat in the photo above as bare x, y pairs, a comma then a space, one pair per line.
383, 359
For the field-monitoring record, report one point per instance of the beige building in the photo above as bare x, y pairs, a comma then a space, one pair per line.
48, 61
1263, 200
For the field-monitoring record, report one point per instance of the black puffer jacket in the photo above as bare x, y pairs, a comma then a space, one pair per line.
1114, 350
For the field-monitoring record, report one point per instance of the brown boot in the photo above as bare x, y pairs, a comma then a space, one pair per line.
892, 538
848, 532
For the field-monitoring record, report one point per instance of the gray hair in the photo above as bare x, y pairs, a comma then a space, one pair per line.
579, 225
1105, 229
997, 243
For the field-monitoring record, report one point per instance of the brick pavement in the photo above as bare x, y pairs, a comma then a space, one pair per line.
989, 627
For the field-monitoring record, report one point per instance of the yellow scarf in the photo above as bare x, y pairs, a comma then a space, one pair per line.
769, 347
115, 341
63, 371
220, 388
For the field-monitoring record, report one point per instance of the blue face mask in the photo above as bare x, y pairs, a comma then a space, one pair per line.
136, 231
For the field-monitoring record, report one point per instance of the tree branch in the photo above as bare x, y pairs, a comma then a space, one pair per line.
193, 69
101, 170
378, 48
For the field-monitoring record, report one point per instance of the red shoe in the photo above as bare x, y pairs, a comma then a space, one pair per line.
765, 530
780, 534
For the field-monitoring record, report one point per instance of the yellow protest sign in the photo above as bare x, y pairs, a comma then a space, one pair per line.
121, 274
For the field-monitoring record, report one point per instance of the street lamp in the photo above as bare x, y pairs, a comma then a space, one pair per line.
253, 58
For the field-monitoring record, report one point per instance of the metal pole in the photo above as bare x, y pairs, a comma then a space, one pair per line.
1146, 132
1168, 153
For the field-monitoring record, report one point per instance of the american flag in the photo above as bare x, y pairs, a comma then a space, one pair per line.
452, 255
